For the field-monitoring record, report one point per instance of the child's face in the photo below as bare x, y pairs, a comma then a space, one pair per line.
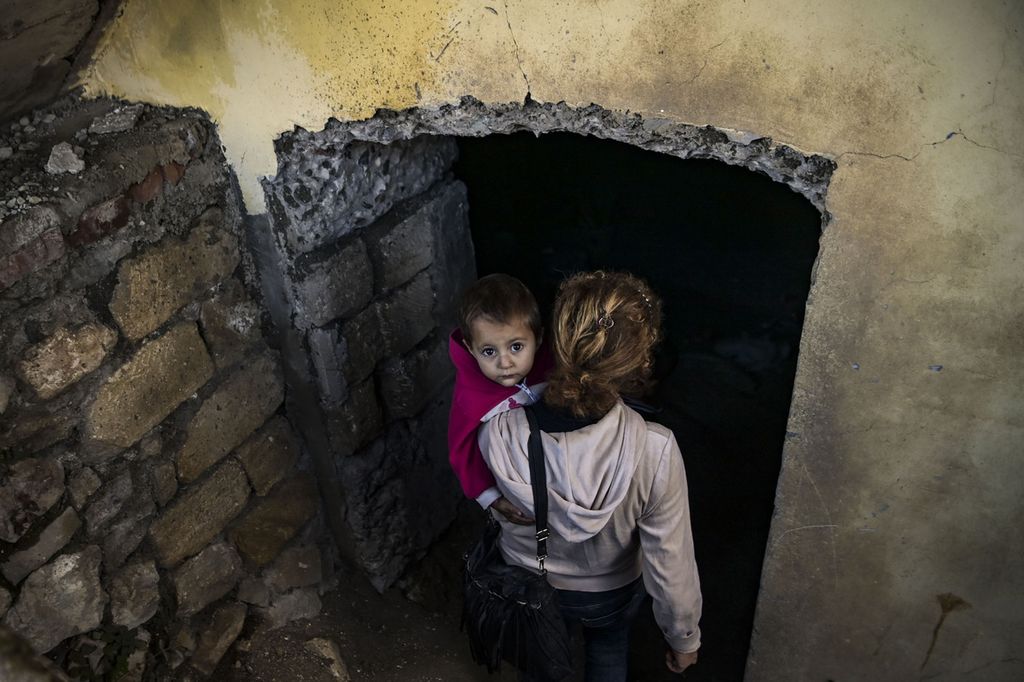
504, 352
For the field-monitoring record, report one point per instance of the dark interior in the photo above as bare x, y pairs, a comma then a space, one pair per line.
730, 252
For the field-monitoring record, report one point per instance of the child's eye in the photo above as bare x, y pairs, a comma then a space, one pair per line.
517, 346
487, 352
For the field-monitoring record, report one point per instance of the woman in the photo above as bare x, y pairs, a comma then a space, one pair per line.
618, 506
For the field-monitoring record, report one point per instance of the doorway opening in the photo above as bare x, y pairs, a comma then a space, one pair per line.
730, 252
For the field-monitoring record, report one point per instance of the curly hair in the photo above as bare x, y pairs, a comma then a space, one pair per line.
605, 328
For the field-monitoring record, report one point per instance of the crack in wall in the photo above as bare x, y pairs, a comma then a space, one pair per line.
519, 60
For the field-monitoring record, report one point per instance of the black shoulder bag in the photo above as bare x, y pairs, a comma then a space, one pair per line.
509, 612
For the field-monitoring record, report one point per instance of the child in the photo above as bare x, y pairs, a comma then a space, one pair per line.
499, 365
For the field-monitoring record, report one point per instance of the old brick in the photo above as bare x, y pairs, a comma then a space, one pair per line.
173, 172
215, 639
334, 287
199, 514
171, 274
407, 315
30, 488
362, 344
231, 323
34, 256
206, 577
235, 410
64, 358
148, 188
276, 519
100, 220
269, 454
147, 388
408, 381
53, 539
165, 482
25, 228
329, 353
355, 423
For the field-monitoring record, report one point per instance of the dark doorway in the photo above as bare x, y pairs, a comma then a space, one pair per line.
730, 251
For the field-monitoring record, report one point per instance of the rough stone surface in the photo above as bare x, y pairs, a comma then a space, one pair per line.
363, 347
32, 257
100, 220
407, 315
65, 357
206, 577
231, 323
153, 286
360, 183
53, 539
295, 567
147, 388
117, 120
108, 503
64, 159
329, 651
62, 599
165, 482
236, 409
333, 286
328, 351
6, 391
254, 591
29, 488
135, 594
128, 531
5, 601
407, 382
82, 485
217, 637
269, 454
352, 425
276, 519
19, 663
301, 603
199, 514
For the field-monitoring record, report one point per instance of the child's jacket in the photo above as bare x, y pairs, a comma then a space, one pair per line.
476, 399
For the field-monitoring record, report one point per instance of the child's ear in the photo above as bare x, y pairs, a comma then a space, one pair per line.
466, 344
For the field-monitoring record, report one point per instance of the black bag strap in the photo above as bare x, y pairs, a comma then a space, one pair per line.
539, 483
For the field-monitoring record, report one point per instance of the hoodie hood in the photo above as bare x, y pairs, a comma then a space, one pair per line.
589, 470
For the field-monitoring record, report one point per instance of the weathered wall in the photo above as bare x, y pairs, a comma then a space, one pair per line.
901, 475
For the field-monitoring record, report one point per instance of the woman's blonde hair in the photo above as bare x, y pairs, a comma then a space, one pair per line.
605, 325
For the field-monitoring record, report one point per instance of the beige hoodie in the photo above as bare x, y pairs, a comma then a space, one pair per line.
617, 507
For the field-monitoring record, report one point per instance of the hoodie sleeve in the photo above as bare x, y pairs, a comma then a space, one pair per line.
464, 453
670, 569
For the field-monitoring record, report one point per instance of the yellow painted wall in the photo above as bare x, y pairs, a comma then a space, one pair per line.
900, 482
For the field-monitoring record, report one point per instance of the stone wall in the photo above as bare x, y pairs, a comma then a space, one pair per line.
373, 240
152, 495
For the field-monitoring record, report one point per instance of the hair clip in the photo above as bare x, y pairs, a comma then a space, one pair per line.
605, 322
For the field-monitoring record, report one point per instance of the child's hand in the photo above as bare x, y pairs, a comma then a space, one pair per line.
511, 512
677, 661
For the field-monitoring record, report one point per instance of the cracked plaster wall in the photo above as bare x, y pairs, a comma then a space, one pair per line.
901, 475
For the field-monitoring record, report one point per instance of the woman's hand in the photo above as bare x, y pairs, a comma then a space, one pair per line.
677, 661
511, 512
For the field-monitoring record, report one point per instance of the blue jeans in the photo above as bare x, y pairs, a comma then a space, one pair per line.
606, 618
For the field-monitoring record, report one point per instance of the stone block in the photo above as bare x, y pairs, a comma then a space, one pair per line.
227, 417
231, 323
331, 192
165, 482
329, 651
355, 423
253, 591
30, 488
206, 577
147, 388
402, 247
329, 353
51, 366
199, 515
108, 503
217, 637
60, 600
82, 485
407, 315
171, 274
301, 603
5, 601
53, 539
135, 594
408, 381
6, 391
275, 519
454, 267
128, 531
101, 220
36, 428
269, 455
363, 348
32, 257
295, 567
333, 286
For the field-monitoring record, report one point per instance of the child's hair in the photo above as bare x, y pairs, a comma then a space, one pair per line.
606, 325
501, 298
